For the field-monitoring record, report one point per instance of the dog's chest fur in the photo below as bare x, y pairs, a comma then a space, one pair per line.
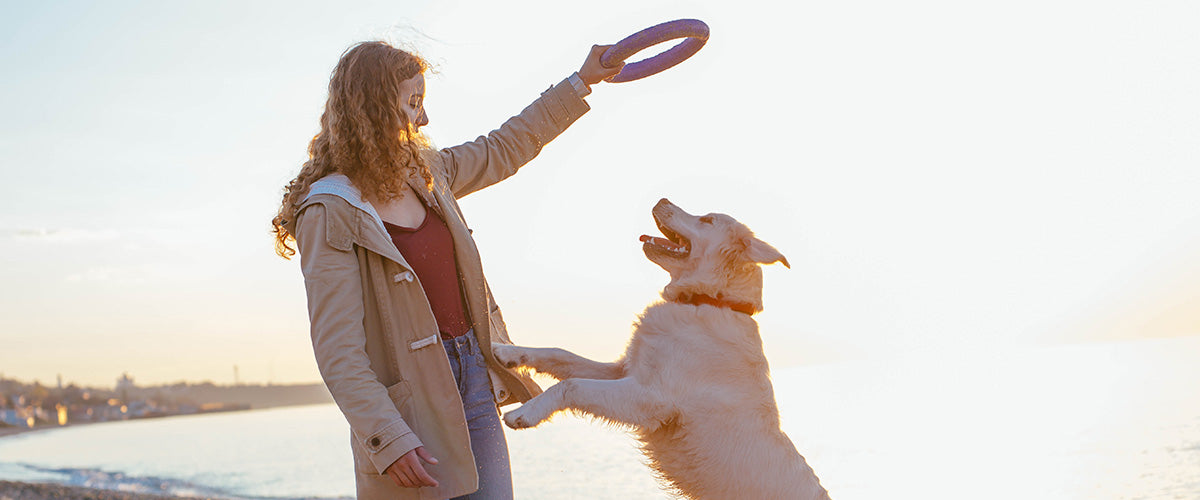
682, 349
708, 365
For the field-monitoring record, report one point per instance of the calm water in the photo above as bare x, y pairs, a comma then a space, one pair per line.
1096, 421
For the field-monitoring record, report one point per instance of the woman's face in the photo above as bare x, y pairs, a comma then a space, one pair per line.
412, 100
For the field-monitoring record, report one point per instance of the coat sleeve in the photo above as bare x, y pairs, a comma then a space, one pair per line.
335, 311
496, 156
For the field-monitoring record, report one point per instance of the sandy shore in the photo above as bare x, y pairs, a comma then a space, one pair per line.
13, 490
11, 430
8, 431
10, 490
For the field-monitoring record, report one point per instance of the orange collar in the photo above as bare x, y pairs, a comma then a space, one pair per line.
742, 307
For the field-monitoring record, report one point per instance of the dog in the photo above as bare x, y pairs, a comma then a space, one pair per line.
693, 384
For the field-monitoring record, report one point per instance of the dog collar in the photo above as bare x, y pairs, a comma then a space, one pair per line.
742, 307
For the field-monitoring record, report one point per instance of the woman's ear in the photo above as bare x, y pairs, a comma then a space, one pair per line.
759, 251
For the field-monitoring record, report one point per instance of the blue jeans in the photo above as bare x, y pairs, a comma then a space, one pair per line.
483, 419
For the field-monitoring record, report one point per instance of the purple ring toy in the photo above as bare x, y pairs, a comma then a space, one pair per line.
694, 30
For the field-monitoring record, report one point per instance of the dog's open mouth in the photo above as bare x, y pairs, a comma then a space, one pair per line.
673, 244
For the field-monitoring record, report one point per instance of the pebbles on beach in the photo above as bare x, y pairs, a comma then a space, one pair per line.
10, 490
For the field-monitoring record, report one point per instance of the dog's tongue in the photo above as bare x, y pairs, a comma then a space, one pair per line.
662, 242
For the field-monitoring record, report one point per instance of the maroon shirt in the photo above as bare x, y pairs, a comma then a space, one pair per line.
429, 249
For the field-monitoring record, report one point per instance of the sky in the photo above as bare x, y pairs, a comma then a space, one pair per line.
945, 178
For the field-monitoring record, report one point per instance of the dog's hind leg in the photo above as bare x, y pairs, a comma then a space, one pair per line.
558, 363
622, 401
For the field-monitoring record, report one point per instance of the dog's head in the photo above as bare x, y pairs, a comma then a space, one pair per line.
712, 255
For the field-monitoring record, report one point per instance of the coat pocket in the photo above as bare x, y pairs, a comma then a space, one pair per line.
400, 393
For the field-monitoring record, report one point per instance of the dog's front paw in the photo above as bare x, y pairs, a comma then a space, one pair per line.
517, 419
509, 355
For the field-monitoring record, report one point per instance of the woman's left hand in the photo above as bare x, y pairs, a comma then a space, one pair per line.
592, 72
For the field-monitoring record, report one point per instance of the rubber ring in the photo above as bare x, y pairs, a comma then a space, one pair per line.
694, 30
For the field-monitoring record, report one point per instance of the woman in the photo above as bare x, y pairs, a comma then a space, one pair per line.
391, 271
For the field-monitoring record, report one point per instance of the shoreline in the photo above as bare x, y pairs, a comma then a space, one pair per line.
19, 490
8, 431
50, 488
14, 430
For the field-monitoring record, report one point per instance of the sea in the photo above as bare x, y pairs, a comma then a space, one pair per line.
1095, 421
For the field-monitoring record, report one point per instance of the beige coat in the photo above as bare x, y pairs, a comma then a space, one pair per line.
374, 335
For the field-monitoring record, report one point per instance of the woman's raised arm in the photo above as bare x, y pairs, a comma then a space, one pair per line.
496, 156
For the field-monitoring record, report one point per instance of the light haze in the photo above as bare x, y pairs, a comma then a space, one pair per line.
946, 178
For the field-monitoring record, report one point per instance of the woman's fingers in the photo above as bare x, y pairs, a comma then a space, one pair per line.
398, 477
407, 471
592, 71
423, 478
424, 455
420, 476
598, 51
410, 479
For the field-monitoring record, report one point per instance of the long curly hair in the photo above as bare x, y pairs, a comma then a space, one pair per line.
364, 134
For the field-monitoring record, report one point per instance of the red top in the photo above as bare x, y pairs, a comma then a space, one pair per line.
429, 249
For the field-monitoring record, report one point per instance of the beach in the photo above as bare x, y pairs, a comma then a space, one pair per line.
12, 430
256, 454
8, 431
11, 490
1104, 421
17, 490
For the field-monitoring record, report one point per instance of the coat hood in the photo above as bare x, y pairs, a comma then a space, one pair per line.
339, 185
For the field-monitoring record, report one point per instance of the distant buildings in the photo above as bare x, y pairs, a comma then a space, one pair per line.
33, 405
124, 385
16, 417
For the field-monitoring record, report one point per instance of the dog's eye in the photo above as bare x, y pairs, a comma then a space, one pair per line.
706, 220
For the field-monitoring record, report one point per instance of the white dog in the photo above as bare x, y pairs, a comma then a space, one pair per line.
693, 383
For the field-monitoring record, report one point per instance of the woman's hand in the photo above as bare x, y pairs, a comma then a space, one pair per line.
592, 72
408, 472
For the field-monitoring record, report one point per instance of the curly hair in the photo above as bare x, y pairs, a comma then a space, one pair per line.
364, 134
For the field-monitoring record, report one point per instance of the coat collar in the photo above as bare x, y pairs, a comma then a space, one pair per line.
339, 185
372, 235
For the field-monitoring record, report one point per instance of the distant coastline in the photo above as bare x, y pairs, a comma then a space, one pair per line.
6, 431
28, 407
13, 430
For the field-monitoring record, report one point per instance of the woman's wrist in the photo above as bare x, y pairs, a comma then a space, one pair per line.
581, 87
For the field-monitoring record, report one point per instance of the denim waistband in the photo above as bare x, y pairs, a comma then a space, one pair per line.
465, 343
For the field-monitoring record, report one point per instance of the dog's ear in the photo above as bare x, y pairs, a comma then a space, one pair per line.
759, 251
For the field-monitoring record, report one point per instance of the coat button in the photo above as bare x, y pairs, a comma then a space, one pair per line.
374, 441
